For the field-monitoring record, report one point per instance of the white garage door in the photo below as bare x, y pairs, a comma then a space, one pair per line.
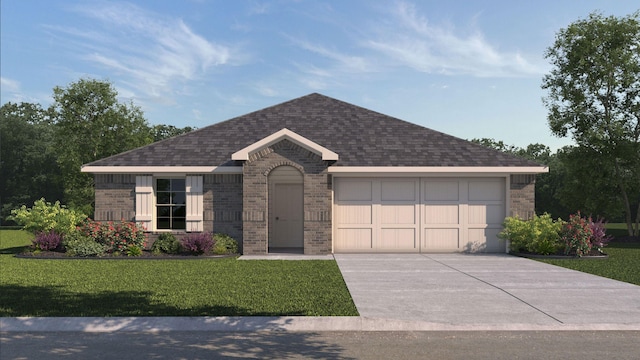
418, 214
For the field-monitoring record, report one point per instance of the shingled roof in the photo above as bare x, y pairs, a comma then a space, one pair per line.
360, 136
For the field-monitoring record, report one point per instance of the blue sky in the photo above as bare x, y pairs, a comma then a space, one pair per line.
471, 69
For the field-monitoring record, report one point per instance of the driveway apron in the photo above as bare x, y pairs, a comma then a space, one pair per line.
492, 289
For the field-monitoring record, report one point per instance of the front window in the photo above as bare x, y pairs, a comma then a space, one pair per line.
171, 209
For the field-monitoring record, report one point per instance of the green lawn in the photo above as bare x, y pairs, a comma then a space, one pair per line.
623, 263
211, 287
617, 229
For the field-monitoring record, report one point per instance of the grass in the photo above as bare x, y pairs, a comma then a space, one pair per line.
617, 229
623, 263
203, 287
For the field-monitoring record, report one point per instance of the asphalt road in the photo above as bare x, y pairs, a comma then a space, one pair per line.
494, 345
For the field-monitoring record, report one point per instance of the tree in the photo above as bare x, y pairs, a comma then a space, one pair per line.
161, 132
91, 124
594, 97
548, 185
28, 165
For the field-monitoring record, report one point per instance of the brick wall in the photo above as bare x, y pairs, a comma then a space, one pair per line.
115, 197
115, 200
223, 205
317, 197
522, 194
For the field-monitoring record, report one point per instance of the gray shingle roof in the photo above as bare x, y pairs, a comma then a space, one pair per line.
360, 136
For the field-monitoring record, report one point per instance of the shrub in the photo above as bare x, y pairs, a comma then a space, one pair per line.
576, 235
133, 250
197, 243
47, 240
540, 235
224, 244
599, 238
78, 244
115, 236
166, 243
47, 217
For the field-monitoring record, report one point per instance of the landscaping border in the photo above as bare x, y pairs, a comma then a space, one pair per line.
124, 257
560, 257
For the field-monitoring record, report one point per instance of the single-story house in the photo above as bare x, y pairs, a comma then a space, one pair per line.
318, 175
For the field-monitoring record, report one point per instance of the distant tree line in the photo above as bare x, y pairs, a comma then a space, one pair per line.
577, 180
42, 149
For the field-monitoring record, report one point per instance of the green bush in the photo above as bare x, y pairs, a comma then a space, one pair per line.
166, 243
134, 250
540, 235
224, 244
78, 244
46, 217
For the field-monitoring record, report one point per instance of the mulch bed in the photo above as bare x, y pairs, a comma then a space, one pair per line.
593, 254
146, 255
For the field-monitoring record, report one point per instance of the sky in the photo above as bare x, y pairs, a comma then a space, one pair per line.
471, 69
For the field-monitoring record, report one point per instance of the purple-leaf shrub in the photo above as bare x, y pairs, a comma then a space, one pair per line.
599, 238
47, 241
197, 243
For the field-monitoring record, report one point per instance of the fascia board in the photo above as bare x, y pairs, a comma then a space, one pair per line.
283, 134
162, 169
435, 170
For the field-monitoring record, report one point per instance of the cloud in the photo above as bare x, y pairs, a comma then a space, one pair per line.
9, 85
349, 63
150, 52
414, 42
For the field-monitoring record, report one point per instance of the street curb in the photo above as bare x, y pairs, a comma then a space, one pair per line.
270, 324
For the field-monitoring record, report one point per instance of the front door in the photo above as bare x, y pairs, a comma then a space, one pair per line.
286, 216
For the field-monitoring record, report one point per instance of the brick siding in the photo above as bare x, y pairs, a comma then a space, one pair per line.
522, 196
115, 197
317, 197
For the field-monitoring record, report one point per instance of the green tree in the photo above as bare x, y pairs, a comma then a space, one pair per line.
594, 97
548, 185
161, 132
91, 124
587, 183
28, 165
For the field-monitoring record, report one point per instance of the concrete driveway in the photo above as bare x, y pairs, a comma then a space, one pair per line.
496, 289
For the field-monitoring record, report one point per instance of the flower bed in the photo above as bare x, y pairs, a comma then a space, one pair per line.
579, 237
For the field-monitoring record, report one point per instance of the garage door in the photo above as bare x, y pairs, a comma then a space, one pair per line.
418, 214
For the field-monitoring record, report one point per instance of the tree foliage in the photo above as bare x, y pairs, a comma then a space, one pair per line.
90, 125
27, 158
161, 132
594, 97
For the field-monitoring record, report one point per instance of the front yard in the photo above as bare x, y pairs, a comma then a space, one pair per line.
198, 287
623, 263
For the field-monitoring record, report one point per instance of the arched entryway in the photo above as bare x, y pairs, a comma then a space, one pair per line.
286, 210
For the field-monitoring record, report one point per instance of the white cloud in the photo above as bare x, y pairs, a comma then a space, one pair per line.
347, 63
150, 52
414, 42
9, 85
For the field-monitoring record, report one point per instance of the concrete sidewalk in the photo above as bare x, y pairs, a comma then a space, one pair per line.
421, 292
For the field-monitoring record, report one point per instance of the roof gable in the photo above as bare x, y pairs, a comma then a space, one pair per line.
284, 134
361, 137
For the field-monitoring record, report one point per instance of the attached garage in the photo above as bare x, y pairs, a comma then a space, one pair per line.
419, 214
